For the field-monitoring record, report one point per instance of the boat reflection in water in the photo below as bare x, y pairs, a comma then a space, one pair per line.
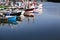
12, 24
30, 19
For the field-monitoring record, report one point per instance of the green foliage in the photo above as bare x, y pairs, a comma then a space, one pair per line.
2, 6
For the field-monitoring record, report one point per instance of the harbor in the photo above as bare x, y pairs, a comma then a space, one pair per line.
11, 10
33, 21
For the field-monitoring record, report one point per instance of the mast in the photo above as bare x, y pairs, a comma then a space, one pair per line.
7, 2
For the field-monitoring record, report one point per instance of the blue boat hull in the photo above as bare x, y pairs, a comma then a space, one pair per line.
13, 18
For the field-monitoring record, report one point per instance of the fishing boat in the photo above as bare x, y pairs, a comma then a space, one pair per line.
8, 18
11, 18
28, 14
29, 10
29, 5
13, 13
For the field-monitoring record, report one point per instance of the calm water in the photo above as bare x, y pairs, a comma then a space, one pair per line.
44, 26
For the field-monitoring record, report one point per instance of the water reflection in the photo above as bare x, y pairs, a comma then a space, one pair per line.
12, 24
29, 19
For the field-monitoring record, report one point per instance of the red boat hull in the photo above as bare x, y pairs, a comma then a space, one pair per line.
27, 10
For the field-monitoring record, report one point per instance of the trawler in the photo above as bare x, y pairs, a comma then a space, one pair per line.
15, 12
29, 5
